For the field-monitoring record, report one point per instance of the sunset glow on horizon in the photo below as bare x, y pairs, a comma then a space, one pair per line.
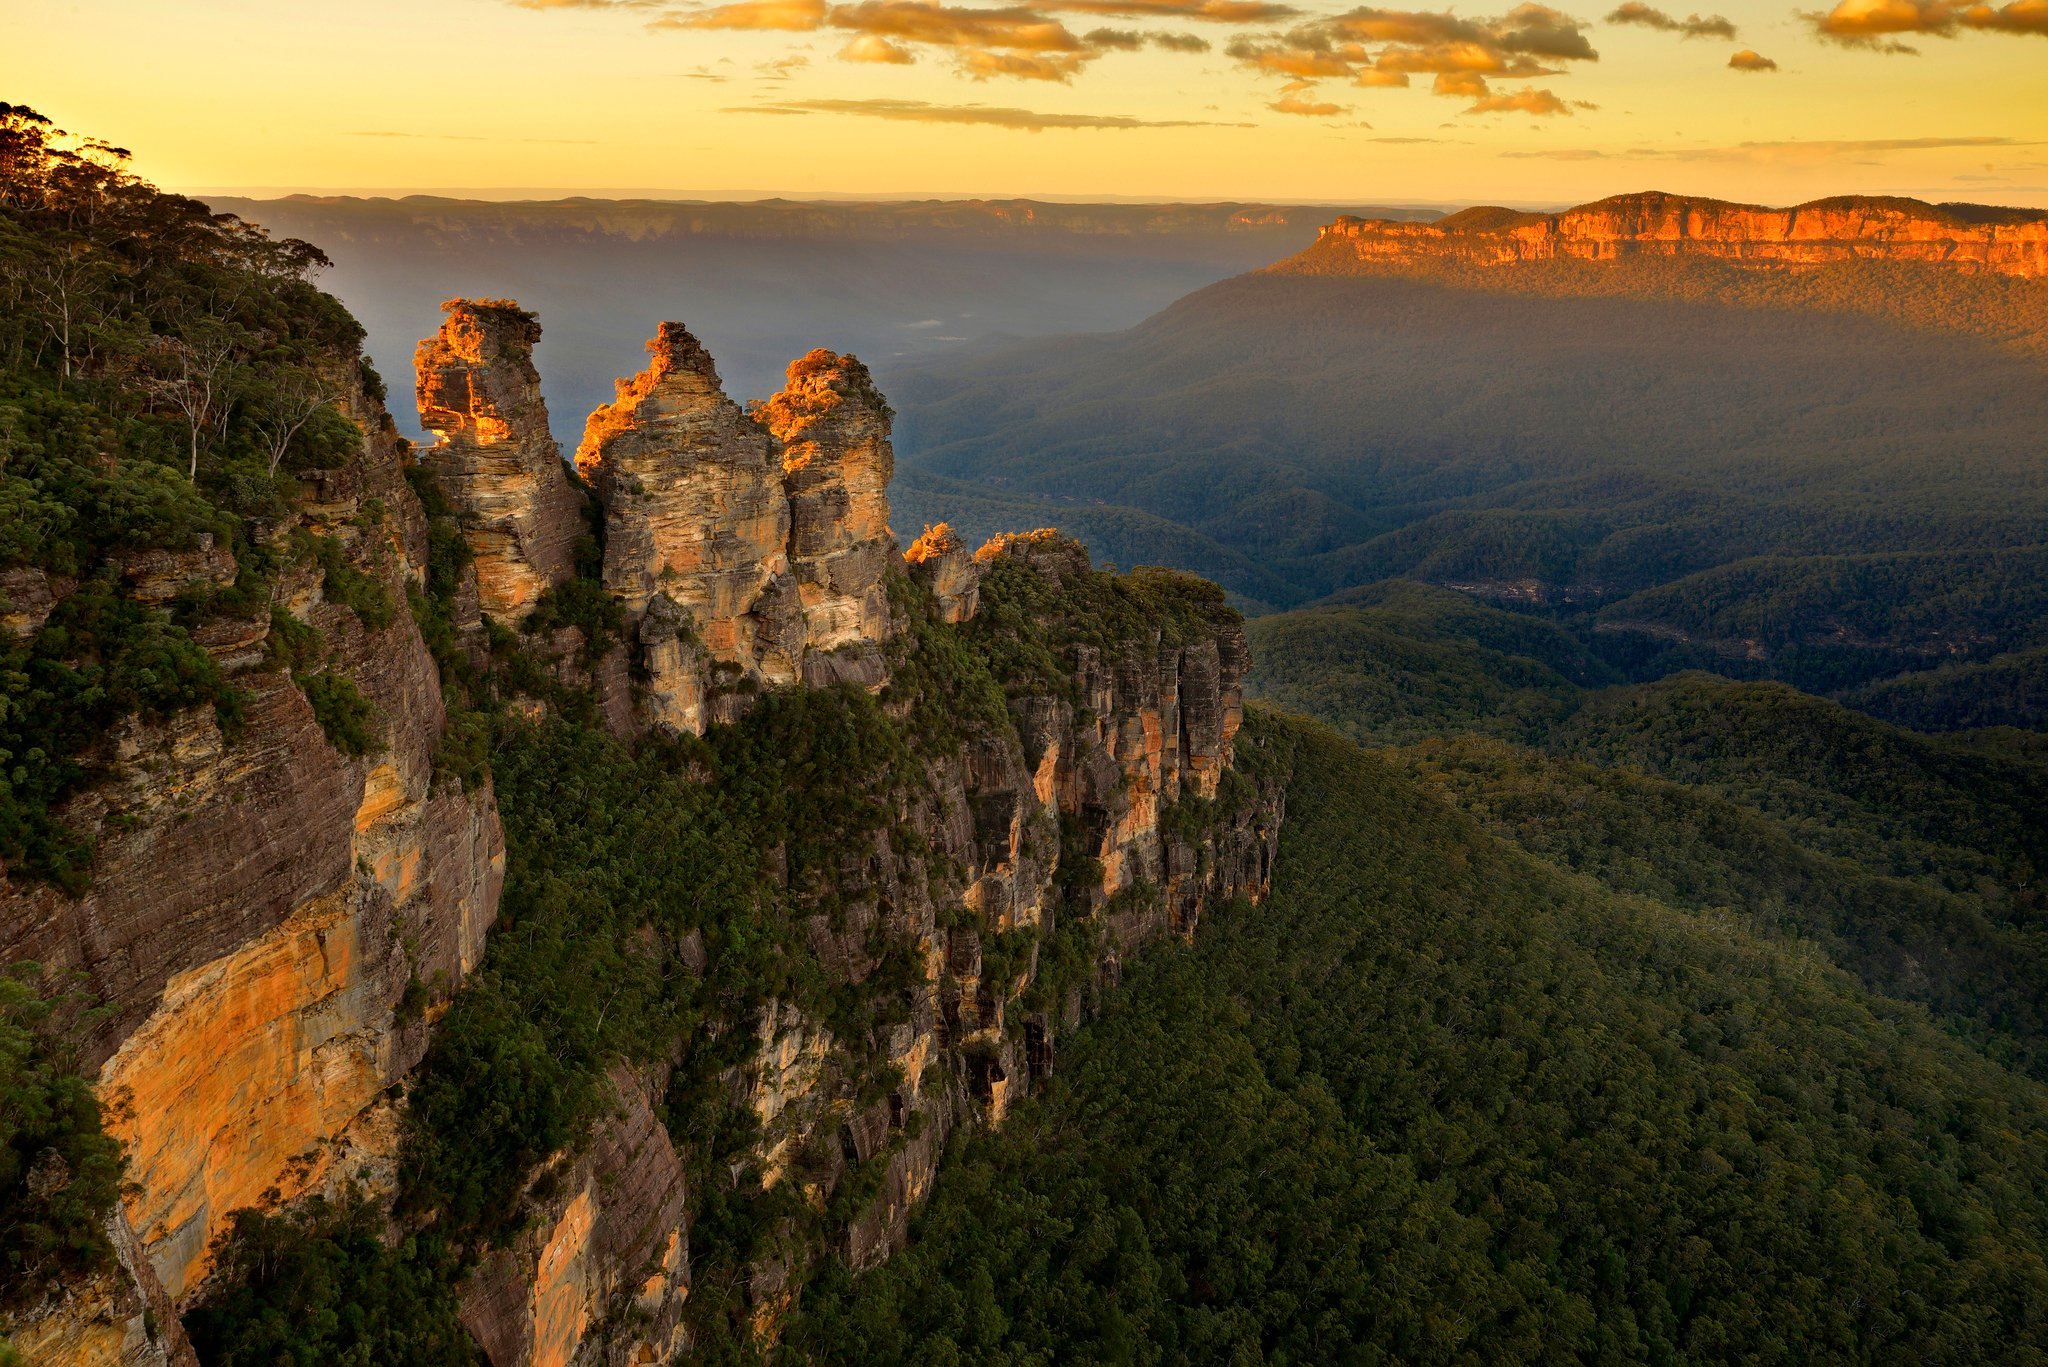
1157, 99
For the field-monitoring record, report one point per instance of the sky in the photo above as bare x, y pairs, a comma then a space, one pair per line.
1753, 100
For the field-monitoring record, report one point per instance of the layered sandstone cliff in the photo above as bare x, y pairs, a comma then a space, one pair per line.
832, 426
495, 460
2010, 242
271, 921
275, 924
748, 550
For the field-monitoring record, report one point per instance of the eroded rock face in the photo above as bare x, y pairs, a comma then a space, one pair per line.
833, 427
603, 1276
749, 550
1970, 238
261, 904
119, 1318
479, 392
940, 561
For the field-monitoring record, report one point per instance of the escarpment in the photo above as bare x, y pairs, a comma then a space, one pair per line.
479, 392
835, 842
276, 907
1970, 238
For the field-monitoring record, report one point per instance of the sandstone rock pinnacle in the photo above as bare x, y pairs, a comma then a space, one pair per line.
767, 535
495, 459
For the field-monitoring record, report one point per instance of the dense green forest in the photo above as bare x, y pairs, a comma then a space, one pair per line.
1828, 477
165, 375
1914, 860
1435, 1102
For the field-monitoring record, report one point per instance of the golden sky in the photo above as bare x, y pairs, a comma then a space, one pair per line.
1173, 99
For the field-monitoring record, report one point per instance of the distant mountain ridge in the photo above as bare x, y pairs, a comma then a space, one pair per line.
765, 280
1973, 237
644, 219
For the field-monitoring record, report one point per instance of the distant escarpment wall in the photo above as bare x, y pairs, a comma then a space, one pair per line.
2012, 242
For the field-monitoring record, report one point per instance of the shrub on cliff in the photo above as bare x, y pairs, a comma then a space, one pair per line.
59, 1173
164, 373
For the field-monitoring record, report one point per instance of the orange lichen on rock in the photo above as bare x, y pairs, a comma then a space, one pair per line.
1004, 542
939, 560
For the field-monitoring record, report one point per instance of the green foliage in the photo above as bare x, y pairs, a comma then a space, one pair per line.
1913, 863
1976, 957
584, 604
1399, 662
99, 657
162, 374
1905, 805
59, 1172
1431, 1103
318, 1286
1031, 622
2006, 690
343, 583
344, 714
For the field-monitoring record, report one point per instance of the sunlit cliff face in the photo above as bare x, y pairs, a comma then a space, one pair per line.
2013, 242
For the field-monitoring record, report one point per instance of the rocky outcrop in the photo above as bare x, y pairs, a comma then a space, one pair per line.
271, 921
479, 392
1972, 238
605, 1277
940, 561
749, 550
832, 425
116, 1318
274, 924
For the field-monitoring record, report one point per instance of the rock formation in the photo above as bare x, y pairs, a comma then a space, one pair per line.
274, 925
260, 909
941, 562
833, 427
749, 551
1963, 237
1098, 765
495, 459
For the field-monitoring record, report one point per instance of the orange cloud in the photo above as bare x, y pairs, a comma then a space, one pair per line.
1747, 60
1295, 104
785, 15
1461, 84
870, 47
982, 63
1309, 61
1692, 26
1537, 102
920, 21
919, 111
1878, 23
1522, 43
1209, 11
